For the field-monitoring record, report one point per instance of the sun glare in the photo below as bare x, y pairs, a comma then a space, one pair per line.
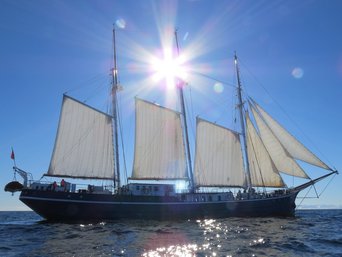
169, 68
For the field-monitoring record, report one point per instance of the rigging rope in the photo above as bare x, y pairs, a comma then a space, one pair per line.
87, 83
191, 103
318, 195
191, 119
304, 197
327, 185
217, 80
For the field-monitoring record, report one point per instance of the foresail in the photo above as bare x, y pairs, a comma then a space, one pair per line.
218, 160
296, 149
262, 169
159, 146
282, 160
84, 143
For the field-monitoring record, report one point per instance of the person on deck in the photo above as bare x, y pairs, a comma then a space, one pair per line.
54, 185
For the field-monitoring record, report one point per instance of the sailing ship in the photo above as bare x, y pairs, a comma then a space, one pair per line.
250, 161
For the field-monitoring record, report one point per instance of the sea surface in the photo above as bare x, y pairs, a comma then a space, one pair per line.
310, 233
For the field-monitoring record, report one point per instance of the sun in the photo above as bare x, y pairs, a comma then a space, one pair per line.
169, 68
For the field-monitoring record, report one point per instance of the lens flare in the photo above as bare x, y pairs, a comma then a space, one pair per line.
218, 88
186, 36
297, 73
120, 23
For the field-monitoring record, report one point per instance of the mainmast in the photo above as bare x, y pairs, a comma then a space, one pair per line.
187, 148
243, 129
115, 118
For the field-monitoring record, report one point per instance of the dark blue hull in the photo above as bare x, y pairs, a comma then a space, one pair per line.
66, 206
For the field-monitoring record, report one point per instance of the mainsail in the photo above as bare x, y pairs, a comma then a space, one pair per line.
159, 146
84, 143
218, 156
296, 149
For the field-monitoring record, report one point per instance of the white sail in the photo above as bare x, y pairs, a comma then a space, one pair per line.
159, 147
281, 158
262, 169
218, 160
84, 143
296, 149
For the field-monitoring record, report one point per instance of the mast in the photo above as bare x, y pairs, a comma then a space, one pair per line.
115, 117
243, 129
187, 148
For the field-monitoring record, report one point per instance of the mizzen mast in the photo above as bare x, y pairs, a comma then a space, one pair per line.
243, 129
115, 117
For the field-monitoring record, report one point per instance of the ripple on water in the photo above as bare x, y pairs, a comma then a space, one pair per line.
309, 234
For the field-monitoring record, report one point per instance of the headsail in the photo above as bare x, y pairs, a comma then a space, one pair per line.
84, 143
159, 146
218, 159
296, 149
263, 171
281, 158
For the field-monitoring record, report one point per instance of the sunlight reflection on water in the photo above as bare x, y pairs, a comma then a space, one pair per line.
310, 233
212, 232
173, 250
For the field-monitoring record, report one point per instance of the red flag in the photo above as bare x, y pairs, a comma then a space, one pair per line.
12, 155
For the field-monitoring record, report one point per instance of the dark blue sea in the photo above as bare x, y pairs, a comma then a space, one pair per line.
310, 233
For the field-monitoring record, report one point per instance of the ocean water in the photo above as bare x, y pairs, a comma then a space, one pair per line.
310, 233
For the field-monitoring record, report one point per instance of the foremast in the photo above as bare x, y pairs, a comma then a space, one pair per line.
114, 91
242, 123
180, 85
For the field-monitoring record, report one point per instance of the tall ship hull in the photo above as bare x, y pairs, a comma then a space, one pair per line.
61, 206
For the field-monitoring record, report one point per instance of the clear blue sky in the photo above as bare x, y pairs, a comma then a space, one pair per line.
293, 48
